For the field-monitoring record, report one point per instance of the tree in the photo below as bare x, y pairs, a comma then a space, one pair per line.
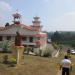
56, 37
7, 24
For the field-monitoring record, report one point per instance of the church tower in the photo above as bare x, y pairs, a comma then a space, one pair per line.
16, 18
36, 23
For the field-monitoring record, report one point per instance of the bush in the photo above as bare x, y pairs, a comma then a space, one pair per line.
13, 60
46, 53
27, 50
5, 46
70, 43
36, 51
5, 59
40, 52
55, 45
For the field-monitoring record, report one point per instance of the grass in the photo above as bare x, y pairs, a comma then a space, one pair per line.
34, 65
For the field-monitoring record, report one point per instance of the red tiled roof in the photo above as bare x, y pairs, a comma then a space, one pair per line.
17, 15
21, 25
1, 28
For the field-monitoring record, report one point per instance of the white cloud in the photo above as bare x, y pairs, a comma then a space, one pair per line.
5, 7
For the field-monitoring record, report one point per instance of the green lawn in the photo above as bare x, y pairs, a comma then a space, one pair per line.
34, 65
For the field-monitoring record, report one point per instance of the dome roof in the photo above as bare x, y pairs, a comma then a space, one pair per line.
17, 15
36, 17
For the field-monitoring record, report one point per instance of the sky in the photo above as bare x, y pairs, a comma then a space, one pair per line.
55, 15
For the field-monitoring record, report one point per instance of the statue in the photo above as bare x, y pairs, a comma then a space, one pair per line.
18, 39
18, 49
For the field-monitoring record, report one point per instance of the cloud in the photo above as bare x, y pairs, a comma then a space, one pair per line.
5, 7
65, 22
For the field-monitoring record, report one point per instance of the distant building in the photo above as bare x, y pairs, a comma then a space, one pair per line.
31, 35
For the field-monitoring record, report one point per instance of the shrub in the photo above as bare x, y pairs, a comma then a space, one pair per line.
70, 43
46, 53
6, 46
40, 52
27, 50
5, 59
13, 60
55, 45
36, 51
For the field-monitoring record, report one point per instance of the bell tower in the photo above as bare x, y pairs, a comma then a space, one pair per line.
36, 23
16, 18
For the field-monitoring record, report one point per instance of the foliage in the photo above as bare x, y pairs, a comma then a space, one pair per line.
55, 45
68, 38
56, 37
6, 45
7, 24
49, 34
27, 49
71, 43
46, 53
1, 45
37, 51
24, 49
65, 37
40, 52
60, 46
5, 59
13, 60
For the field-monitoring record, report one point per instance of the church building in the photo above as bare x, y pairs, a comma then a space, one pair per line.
32, 35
